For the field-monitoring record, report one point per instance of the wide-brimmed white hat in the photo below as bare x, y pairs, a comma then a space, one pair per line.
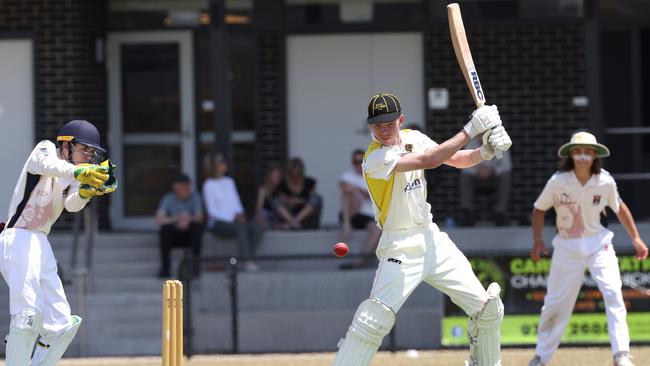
583, 139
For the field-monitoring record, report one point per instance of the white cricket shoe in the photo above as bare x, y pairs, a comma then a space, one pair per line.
536, 361
623, 358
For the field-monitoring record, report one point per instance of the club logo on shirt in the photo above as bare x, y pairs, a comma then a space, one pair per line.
596, 200
394, 260
416, 184
408, 147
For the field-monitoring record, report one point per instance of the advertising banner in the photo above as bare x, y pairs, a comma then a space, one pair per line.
523, 284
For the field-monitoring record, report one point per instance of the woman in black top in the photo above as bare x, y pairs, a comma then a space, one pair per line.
299, 205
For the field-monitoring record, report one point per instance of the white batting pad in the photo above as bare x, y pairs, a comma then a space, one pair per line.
483, 331
372, 321
23, 330
49, 355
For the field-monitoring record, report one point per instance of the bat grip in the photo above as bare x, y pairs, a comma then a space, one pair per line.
499, 154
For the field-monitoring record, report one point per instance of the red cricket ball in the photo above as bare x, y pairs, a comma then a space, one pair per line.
341, 249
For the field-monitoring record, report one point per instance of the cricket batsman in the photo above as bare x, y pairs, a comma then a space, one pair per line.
412, 248
54, 177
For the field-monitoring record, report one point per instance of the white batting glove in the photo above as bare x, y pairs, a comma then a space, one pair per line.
486, 150
499, 139
482, 119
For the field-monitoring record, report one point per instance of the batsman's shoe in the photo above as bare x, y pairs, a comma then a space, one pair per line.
623, 358
536, 361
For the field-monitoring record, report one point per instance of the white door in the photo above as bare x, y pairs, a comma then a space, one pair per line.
151, 115
330, 81
16, 114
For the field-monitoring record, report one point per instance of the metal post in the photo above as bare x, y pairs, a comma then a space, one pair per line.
89, 232
186, 274
393, 339
220, 62
76, 227
81, 275
234, 305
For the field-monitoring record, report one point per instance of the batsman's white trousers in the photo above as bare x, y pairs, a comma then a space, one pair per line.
570, 258
424, 253
29, 268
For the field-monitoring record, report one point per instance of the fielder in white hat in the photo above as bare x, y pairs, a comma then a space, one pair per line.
579, 192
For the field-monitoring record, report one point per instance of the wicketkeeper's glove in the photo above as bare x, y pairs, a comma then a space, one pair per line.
87, 191
91, 174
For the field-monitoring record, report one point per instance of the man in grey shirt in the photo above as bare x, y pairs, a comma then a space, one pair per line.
180, 216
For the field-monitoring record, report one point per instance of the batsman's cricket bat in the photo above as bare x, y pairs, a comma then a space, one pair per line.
464, 56
463, 53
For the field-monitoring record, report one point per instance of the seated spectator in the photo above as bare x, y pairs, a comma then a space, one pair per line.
226, 216
357, 212
299, 205
491, 175
267, 196
180, 216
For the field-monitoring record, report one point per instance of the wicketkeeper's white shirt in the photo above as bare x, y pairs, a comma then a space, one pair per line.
399, 198
45, 187
578, 207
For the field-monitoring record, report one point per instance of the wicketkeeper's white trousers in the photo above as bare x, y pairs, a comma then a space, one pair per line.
570, 258
424, 253
29, 268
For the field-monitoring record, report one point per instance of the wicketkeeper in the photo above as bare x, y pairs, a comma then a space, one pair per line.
53, 178
412, 249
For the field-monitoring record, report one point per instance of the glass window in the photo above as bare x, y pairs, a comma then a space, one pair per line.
150, 88
148, 176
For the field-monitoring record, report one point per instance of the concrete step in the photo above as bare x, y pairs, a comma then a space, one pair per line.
307, 330
289, 291
307, 242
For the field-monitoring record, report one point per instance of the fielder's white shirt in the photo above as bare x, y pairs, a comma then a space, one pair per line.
578, 207
357, 180
399, 198
45, 187
221, 199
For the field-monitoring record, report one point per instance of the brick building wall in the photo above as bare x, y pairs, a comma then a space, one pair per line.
270, 107
69, 80
532, 72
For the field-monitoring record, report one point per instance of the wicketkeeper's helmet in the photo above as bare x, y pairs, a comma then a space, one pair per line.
82, 132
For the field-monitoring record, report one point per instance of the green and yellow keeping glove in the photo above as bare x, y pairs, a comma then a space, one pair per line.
110, 185
91, 174
88, 191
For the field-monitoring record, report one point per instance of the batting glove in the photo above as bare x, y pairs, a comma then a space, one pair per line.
499, 139
482, 119
93, 175
486, 150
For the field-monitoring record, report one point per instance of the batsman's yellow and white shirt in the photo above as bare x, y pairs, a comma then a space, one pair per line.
399, 198
578, 207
